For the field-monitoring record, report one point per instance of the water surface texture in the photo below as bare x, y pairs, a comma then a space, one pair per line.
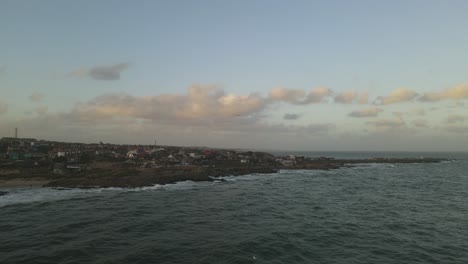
402, 213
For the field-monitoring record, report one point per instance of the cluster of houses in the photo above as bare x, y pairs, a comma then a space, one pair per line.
55, 154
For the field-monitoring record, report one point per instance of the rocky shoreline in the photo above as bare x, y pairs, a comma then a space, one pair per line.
114, 176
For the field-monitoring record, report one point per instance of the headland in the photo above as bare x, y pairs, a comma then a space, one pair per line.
30, 162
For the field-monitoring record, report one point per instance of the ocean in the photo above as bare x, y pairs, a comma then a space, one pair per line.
373, 213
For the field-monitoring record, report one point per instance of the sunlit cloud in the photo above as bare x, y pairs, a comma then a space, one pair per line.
363, 98
398, 95
346, 97
202, 102
294, 96
101, 72
454, 93
318, 95
201, 112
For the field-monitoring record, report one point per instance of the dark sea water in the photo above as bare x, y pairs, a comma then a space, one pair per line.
402, 213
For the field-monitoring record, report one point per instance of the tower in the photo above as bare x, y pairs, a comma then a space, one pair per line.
16, 132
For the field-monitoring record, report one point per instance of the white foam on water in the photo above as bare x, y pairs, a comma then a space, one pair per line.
302, 171
372, 165
38, 194
183, 185
30, 195
250, 177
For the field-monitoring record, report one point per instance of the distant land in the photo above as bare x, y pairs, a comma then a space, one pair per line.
41, 163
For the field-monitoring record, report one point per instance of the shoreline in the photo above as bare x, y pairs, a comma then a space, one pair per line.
134, 177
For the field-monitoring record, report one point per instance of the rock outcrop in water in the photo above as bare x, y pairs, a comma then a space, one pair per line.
149, 177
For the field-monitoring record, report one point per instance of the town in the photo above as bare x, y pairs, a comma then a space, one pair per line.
28, 161
60, 163
62, 156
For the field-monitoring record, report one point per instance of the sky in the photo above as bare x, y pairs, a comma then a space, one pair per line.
278, 75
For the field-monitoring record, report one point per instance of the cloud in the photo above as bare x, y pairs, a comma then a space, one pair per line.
202, 102
300, 97
289, 116
102, 72
78, 73
318, 95
346, 97
420, 123
3, 108
293, 96
454, 119
363, 98
367, 112
388, 124
36, 97
398, 95
455, 93
202, 113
